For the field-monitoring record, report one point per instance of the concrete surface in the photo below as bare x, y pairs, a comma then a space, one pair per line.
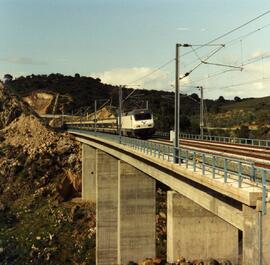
88, 173
248, 194
246, 219
106, 209
225, 211
266, 237
136, 215
251, 236
195, 233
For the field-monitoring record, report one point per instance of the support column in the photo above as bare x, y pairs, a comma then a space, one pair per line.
251, 237
266, 236
195, 233
88, 173
136, 215
106, 209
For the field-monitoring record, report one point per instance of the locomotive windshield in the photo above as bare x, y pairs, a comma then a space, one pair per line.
142, 116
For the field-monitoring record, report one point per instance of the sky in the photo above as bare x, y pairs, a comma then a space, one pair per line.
123, 42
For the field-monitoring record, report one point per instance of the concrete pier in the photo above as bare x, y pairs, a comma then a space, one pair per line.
195, 233
136, 215
125, 212
106, 209
88, 173
265, 230
251, 236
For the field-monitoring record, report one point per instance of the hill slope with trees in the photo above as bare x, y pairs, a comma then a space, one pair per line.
77, 94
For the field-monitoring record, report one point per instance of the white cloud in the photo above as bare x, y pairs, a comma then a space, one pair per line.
185, 81
259, 86
257, 53
182, 29
22, 60
141, 77
188, 29
261, 68
253, 81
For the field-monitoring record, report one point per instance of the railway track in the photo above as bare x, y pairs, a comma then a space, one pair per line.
259, 155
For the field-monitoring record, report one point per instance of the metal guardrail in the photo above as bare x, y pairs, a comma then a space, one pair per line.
230, 140
162, 134
217, 166
221, 139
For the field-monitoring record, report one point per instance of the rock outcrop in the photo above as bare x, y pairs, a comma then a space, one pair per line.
40, 175
44, 150
10, 107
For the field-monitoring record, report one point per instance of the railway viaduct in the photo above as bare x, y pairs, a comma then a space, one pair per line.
211, 212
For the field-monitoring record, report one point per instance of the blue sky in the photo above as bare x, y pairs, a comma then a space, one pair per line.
123, 40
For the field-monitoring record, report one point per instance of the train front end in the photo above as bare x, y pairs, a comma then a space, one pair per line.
143, 124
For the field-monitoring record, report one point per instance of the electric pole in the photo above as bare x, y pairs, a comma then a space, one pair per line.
176, 155
95, 115
120, 113
201, 112
176, 106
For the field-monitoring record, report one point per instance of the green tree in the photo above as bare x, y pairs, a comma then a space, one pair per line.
221, 99
8, 78
243, 132
185, 123
237, 99
195, 97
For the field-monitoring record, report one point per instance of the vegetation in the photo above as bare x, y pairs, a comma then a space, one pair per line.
82, 91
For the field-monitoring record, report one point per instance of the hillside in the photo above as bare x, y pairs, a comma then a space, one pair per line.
40, 173
56, 93
77, 95
252, 110
248, 117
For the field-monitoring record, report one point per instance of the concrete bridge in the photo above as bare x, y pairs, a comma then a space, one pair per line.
217, 207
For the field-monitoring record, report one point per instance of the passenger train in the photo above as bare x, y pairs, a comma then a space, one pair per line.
137, 123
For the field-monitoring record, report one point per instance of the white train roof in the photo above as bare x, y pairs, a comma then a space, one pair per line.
137, 111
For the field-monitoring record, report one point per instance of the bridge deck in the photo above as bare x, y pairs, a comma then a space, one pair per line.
248, 193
